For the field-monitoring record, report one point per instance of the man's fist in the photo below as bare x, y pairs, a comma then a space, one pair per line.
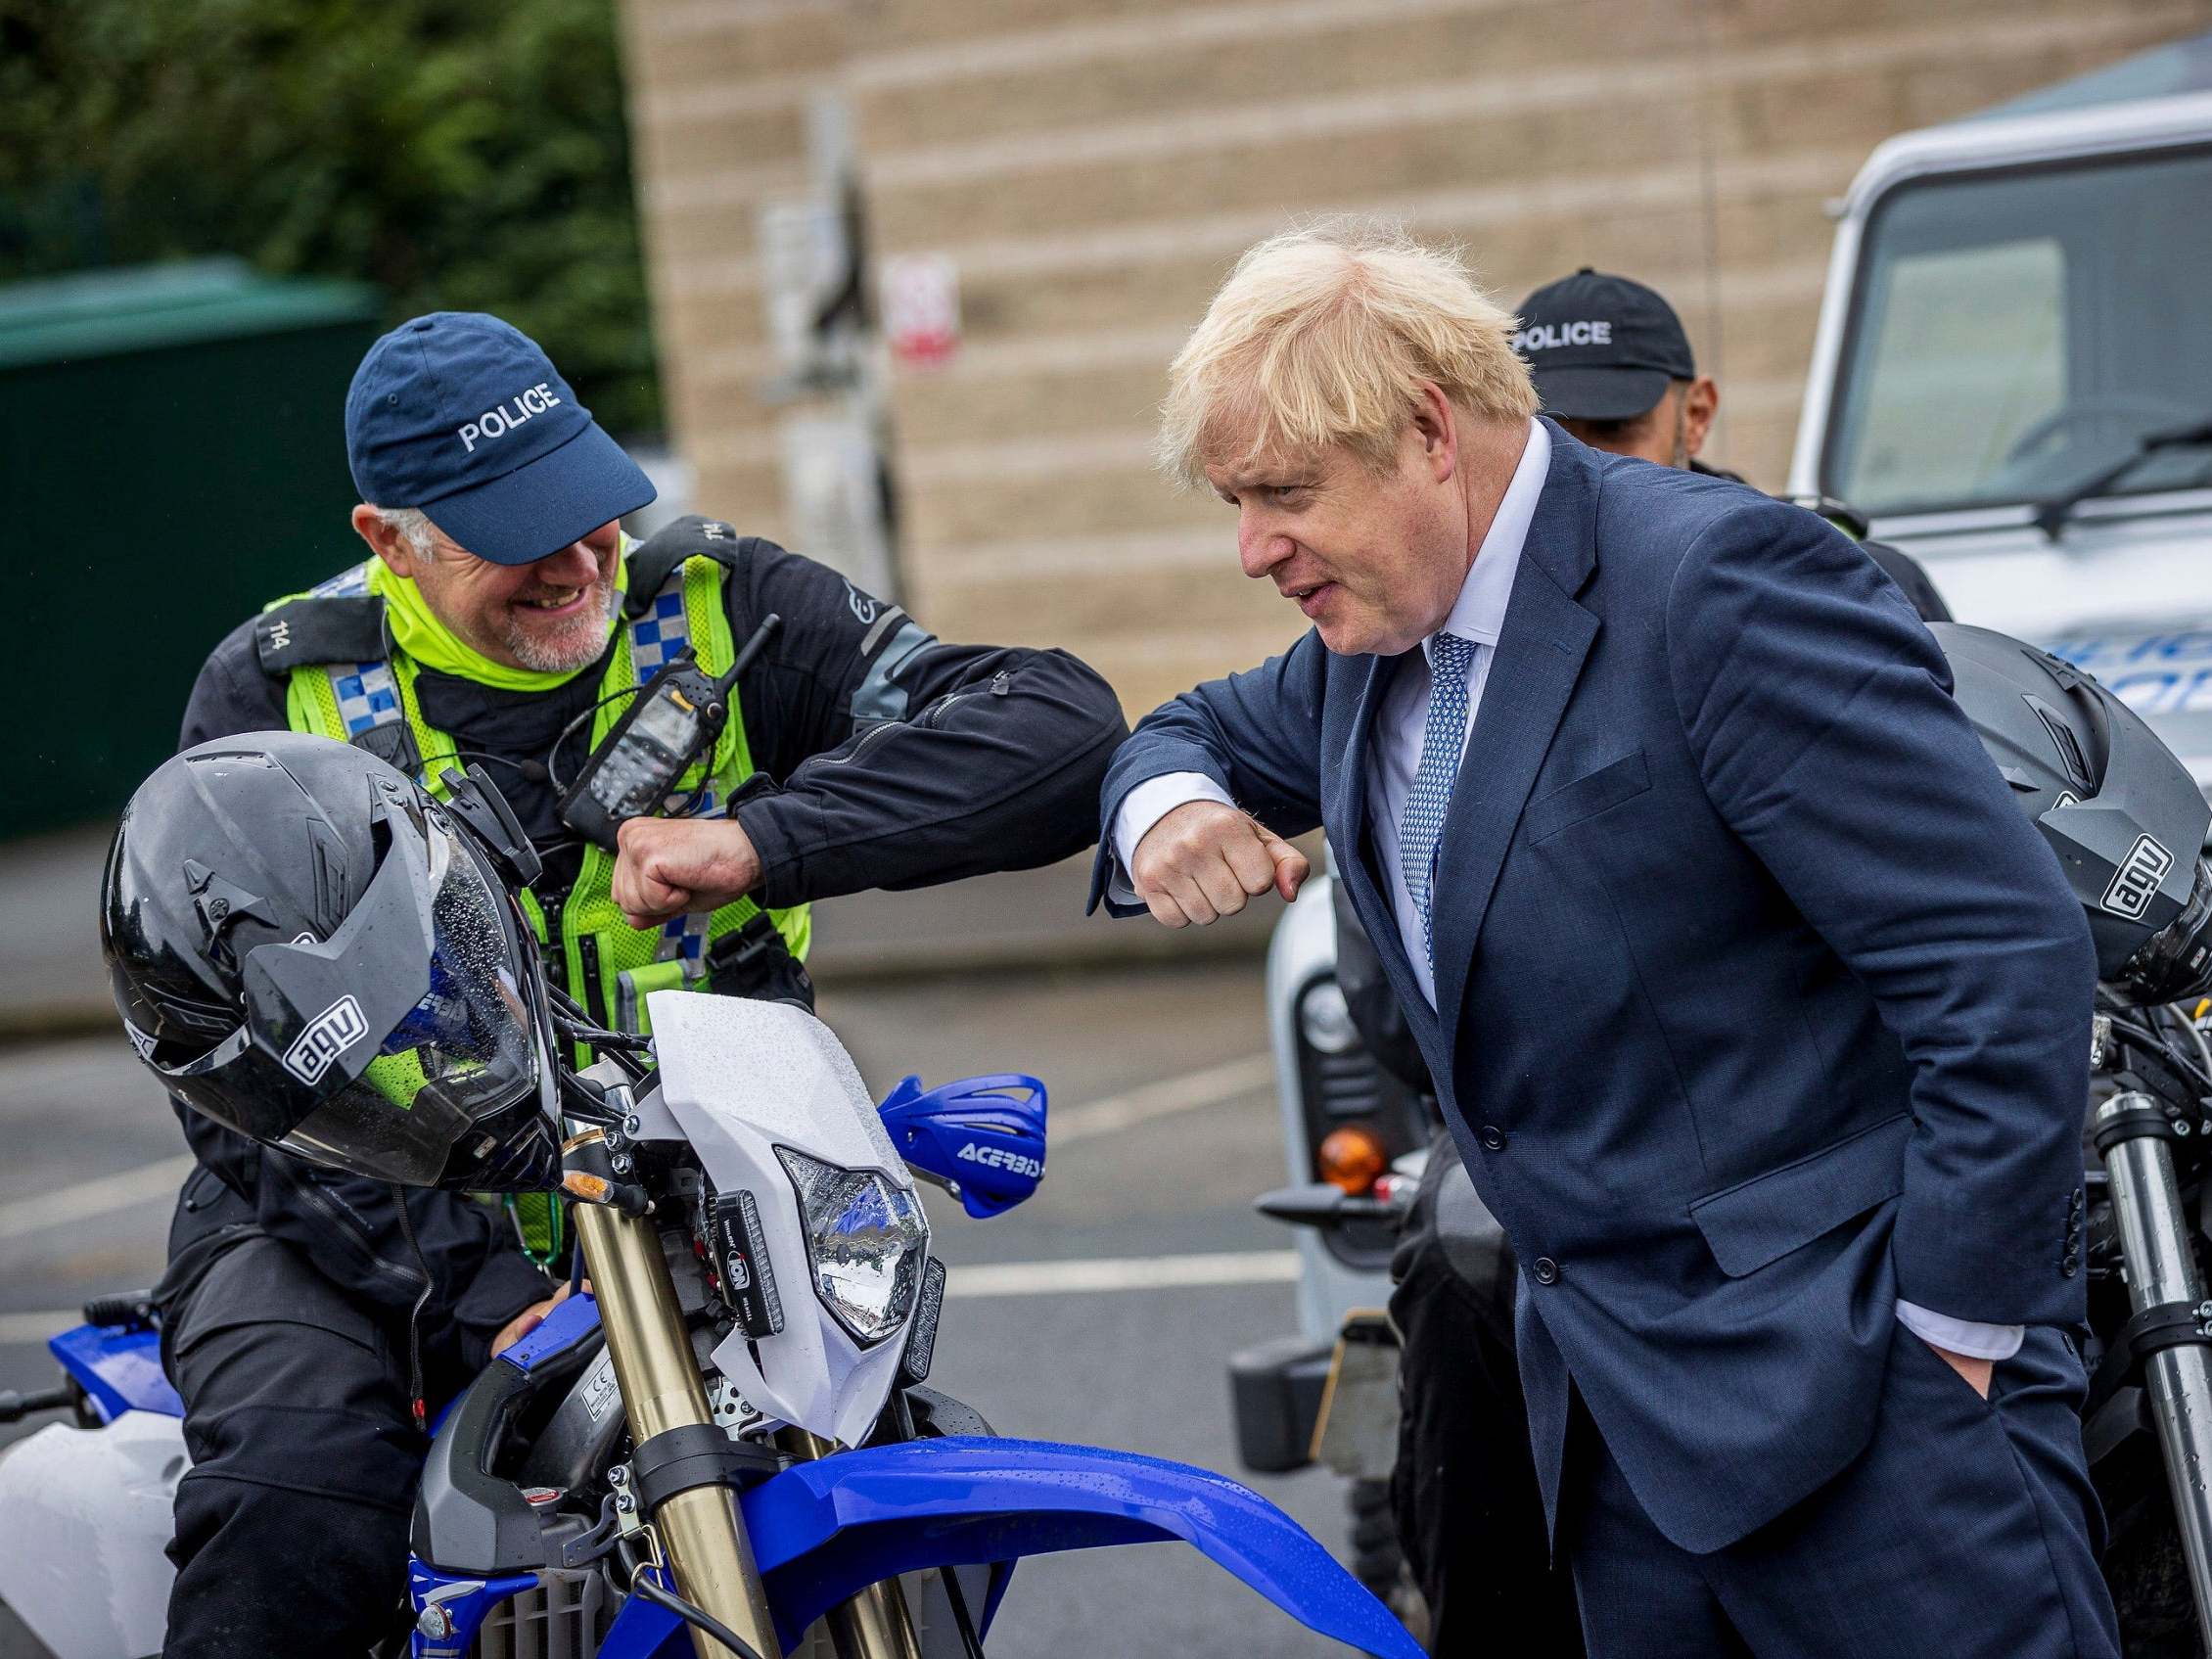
667, 866
1203, 860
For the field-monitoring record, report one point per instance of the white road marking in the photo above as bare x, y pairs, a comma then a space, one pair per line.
1122, 1272
1186, 1094
145, 1184
1209, 1086
980, 1284
31, 1330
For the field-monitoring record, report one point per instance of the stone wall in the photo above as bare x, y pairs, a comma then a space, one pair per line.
1094, 168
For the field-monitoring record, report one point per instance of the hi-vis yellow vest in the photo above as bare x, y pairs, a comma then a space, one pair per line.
606, 964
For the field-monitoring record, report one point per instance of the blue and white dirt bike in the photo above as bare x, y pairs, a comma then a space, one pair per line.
728, 1448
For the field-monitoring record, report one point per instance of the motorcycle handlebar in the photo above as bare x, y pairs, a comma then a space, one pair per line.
16, 1406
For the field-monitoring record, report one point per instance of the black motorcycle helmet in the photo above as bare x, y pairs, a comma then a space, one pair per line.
307, 948
2123, 815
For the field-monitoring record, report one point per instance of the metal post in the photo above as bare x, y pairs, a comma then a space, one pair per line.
701, 1530
2154, 1242
875, 1623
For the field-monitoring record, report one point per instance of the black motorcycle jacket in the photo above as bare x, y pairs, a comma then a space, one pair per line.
896, 761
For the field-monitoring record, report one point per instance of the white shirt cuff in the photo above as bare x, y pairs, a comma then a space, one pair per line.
1143, 808
1961, 1336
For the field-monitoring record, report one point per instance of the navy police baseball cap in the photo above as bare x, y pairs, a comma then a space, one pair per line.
462, 416
1601, 347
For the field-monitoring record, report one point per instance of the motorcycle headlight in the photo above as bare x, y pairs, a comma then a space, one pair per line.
867, 1239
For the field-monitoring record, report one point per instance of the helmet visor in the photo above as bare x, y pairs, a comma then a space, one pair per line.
459, 1057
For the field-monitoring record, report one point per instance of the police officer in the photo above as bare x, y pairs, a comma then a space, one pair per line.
503, 619
1613, 365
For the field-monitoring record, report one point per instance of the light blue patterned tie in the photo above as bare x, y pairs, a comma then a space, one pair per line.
1430, 798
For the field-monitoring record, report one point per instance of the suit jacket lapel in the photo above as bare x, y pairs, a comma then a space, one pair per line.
1538, 657
1345, 815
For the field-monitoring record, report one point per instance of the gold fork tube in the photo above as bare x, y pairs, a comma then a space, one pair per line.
875, 1623
701, 1531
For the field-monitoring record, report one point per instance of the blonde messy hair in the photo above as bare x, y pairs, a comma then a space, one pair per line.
1322, 336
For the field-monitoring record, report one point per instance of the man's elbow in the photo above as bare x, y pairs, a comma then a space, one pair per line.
1086, 714
1104, 707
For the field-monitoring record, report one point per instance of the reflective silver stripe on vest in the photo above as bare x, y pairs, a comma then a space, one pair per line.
346, 585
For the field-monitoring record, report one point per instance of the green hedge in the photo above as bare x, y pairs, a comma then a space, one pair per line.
466, 156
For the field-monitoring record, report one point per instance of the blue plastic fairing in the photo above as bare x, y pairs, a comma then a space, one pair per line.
645, 1629
462, 1604
570, 1321
983, 1136
822, 1530
120, 1370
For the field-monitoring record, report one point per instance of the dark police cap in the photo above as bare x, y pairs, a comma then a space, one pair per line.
1601, 347
462, 415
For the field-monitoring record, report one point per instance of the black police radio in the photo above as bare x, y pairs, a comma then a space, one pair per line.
662, 735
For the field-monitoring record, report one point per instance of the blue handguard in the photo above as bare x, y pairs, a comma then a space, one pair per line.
982, 1137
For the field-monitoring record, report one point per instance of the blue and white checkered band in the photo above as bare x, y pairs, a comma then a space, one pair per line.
346, 585
661, 633
685, 937
655, 639
367, 698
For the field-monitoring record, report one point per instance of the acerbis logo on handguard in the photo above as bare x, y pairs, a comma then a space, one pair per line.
998, 1157
329, 1035
2136, 882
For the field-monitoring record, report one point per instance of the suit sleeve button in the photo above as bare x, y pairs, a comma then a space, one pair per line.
1493, 1138
1545, 1270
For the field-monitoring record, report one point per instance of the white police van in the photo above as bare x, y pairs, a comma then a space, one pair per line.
2012, 377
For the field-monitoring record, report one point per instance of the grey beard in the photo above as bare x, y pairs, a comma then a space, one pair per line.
576, 646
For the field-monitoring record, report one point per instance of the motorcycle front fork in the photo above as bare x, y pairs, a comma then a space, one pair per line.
876, 1623
702, 1530
2155, 1233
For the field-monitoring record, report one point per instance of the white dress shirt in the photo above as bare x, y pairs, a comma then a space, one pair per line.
1395, 754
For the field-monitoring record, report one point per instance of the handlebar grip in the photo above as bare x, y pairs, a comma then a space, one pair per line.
133, 1308
15, 1406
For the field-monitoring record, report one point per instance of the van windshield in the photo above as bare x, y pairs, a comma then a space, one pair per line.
2015, 334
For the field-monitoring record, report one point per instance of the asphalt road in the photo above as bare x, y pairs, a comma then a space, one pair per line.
1163, 1129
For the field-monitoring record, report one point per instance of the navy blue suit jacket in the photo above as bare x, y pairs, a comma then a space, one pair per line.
1759, 1004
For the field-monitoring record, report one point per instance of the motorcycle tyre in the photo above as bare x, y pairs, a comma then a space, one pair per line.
2144, 1566
1378, 1559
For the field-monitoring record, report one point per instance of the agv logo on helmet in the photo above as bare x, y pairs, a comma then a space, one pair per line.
2134, 884
329, 1035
